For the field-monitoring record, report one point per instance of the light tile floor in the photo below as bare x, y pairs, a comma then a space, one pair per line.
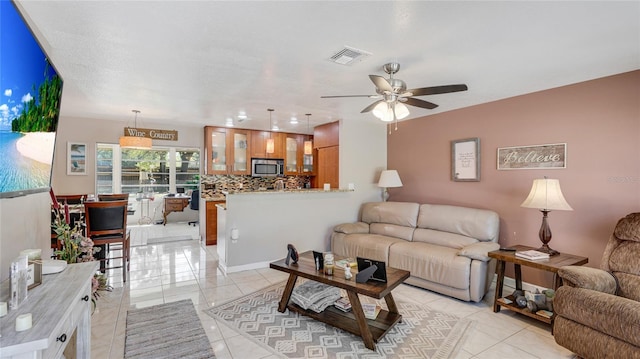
162, 273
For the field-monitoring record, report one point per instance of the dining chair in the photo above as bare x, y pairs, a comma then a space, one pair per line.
71, 199
106, 224
113, 197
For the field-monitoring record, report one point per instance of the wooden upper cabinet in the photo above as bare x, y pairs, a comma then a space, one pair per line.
326, 135
227, 151
259, 144
296, 161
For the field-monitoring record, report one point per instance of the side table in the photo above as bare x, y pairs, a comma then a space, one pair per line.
550, 265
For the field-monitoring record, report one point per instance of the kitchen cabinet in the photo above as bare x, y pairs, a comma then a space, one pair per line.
211, 233
326, 135
328, 167
326, 142
259, 144
296, 161
227, 151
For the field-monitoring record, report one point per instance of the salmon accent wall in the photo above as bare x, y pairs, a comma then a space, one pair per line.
599, 120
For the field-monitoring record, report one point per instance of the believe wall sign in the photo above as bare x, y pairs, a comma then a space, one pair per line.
167, 135
537, 156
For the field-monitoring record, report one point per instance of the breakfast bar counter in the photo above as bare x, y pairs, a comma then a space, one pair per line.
256, 226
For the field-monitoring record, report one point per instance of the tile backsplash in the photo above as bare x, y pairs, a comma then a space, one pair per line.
215, 185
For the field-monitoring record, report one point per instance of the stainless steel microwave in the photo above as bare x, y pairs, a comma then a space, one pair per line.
267, 167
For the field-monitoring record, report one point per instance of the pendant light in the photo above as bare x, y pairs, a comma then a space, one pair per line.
270, 141
308, 145
135, 142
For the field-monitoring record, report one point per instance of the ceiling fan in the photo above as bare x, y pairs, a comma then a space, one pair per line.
392, 94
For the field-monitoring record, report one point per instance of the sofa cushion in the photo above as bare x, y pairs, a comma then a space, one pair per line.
350, 228
392, 230
399, 213
432, 262
480, 224
372, 246
479, 251
440, 238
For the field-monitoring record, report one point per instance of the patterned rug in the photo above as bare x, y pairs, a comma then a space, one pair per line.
166, 331
423, 333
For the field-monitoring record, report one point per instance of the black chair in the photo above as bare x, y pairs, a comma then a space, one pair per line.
107, 224
194, 204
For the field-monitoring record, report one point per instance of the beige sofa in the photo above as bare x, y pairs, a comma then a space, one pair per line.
444, 247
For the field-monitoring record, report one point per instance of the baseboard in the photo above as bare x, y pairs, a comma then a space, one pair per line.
227, 269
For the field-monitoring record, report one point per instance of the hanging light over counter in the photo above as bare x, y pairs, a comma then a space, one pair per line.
135, 142
308, 145
270, 142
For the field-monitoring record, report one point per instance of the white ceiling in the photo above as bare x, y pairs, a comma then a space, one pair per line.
200, 62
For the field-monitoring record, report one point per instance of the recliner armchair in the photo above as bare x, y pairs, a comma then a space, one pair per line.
597, 311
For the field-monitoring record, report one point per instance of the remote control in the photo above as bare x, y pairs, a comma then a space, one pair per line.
507, 249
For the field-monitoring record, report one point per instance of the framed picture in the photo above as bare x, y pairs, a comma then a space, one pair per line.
76, 158
548, 156
465, 160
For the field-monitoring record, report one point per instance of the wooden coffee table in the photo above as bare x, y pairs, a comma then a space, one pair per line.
354, 321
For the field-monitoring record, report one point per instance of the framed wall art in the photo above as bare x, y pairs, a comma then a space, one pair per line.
76, 158
465, 160
548, 156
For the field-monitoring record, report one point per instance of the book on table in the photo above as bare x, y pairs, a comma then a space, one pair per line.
371, 311
532, 254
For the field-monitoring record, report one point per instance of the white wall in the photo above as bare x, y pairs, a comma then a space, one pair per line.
91, 132
25, 223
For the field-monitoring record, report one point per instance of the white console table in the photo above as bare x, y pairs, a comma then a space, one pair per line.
59, 306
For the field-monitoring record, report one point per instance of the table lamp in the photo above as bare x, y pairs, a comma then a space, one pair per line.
546, 196
388, 178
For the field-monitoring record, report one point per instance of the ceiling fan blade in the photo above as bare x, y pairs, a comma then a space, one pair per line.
369, 96
370, 107
381, 83
434, 90
420, 103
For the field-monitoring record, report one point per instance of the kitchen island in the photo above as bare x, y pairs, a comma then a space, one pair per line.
254, 227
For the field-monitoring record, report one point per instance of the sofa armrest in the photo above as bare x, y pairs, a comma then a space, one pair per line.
478, 251
352, 228
588, 278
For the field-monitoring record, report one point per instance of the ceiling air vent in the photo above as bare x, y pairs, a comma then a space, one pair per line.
349, 56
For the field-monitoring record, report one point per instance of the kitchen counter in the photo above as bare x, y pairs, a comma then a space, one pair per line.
289, 191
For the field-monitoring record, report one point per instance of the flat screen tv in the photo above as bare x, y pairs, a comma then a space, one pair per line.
30, 94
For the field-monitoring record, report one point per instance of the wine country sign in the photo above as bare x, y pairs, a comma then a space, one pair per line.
167, 135
531, 157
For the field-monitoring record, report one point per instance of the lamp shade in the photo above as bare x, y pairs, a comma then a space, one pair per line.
546, 195
141, 143
401, 111
389, 178
381, 111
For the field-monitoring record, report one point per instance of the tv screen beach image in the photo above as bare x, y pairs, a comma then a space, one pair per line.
30, 93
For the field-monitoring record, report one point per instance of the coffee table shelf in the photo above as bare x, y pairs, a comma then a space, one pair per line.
354, 322
348, 322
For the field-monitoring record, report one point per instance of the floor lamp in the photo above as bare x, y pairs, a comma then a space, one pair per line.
546, 196
388, 178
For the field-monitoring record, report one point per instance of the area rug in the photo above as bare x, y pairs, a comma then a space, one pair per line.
423, 332
170, 331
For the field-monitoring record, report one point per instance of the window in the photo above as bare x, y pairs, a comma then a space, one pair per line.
158, 170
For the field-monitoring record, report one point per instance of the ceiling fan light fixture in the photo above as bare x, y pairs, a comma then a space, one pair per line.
380, 110
401, 111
